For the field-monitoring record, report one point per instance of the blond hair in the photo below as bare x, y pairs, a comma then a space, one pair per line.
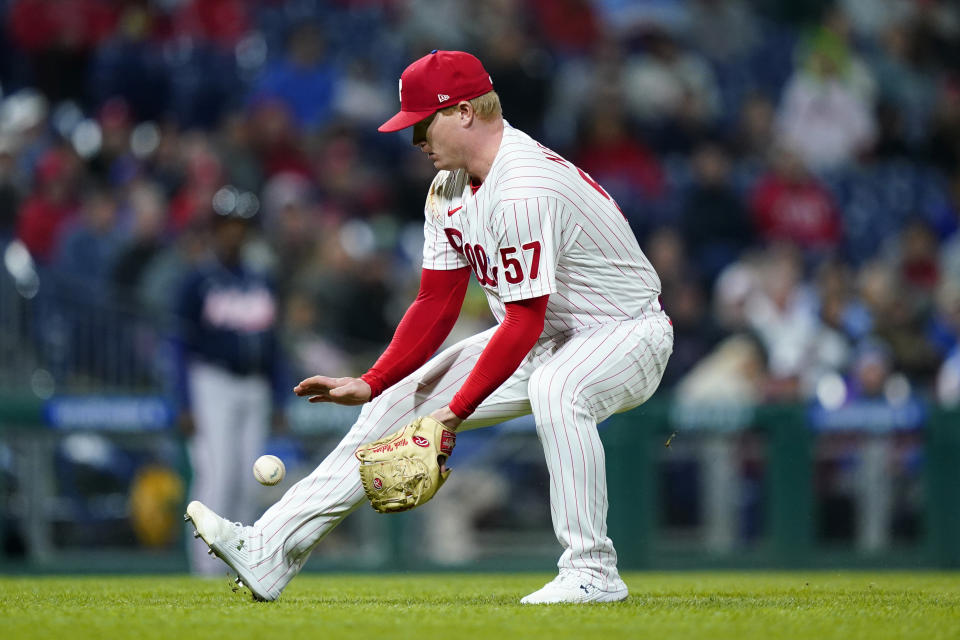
487, 106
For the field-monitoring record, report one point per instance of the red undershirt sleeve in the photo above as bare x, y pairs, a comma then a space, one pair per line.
507, 348
424, 327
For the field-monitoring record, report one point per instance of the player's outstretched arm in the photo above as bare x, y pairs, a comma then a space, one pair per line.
348, 391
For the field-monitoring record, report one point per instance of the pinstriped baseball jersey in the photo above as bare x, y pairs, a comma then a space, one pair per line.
539, 225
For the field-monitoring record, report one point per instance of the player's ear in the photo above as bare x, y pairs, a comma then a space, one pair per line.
466, 112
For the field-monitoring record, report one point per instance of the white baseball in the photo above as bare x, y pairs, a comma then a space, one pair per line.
269, 470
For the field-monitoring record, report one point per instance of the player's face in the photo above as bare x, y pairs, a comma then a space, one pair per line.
436, 136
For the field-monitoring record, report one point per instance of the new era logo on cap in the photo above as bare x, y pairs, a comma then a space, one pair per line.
438, 78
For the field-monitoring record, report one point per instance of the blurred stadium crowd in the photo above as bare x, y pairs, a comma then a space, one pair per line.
791, 169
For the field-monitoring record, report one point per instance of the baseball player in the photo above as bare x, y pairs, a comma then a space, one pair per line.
229, 373
580, 336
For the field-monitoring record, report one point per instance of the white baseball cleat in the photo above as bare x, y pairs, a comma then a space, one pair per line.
226, 542
569, 587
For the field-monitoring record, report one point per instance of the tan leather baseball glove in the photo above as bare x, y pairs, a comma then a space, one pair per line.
402, 470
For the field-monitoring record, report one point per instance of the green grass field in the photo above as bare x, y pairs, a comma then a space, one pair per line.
709, 606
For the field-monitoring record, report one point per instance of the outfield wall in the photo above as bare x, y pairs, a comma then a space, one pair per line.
95, 483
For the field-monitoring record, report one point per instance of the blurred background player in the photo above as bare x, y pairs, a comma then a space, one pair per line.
230, 369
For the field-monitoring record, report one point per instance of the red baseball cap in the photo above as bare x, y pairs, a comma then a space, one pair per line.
437, 80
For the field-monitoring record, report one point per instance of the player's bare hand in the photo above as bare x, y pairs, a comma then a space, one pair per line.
447, 417
348, 391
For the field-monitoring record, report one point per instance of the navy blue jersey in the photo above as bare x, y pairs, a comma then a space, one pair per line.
228, 317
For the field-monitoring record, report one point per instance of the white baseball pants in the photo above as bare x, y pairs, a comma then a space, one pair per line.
568, 382
231, 416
